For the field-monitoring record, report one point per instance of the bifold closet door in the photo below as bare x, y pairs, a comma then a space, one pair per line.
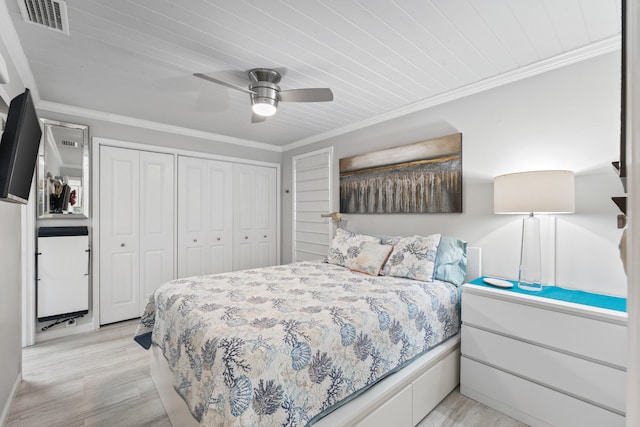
136, 229
156, 222
255, 212
205, 210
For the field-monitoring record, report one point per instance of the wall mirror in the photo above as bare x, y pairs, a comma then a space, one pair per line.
63, 170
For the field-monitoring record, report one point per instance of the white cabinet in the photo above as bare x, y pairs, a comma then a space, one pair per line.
543, 361
205, 209
63, 272
255, 216
136, 229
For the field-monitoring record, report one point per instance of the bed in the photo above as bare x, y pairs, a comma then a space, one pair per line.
309, 343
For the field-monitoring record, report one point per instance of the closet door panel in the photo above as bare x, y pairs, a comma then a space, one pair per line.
255, 216
243, 256
156, 221
244, 209
265, 221
243, 181
194, 262
192, 217
264, 255
124, 269
119, 235
243, 217
220, 216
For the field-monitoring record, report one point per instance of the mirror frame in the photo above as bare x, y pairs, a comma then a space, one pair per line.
84, 213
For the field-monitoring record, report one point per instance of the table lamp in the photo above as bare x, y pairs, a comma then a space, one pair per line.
536, 192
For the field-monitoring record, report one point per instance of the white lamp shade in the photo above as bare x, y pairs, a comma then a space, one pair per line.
534, 192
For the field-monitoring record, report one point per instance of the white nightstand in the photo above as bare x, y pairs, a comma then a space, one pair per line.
543, 361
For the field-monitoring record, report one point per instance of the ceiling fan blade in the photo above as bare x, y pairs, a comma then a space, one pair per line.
257, 118
223, 83
306, 95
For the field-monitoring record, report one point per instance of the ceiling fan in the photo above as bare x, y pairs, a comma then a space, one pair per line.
266, 94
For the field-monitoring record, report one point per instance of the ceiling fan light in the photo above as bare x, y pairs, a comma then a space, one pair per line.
264, 106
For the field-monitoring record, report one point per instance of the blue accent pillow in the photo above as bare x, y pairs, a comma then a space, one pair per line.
451, 261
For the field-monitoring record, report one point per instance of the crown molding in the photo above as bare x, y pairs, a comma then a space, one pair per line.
593, 50
151, 125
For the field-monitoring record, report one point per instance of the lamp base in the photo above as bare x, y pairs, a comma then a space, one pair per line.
530, 271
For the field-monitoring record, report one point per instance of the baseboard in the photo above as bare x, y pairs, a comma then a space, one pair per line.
4, 416
63, 331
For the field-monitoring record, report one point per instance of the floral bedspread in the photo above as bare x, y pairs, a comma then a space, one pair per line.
285, 345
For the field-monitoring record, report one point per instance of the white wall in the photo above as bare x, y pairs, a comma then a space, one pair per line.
563, 119
10, 287
10, 270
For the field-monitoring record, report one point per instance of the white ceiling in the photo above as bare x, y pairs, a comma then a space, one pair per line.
135, 58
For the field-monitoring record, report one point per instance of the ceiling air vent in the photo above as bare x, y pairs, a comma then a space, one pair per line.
51, 14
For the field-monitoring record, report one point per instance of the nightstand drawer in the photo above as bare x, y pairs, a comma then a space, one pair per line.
535, 322
530, 402
573, 375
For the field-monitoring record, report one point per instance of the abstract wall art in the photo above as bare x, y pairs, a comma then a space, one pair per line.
423, 177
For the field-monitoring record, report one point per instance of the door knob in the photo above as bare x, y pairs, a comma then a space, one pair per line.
218, 239
265, 236
122, 245
246, 237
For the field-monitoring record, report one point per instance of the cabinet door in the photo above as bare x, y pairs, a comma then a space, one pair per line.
205, 219
63, 275
254, 216
156, 222
119, 234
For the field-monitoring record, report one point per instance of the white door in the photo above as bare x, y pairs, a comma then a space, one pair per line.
156, 222
205, 219
192, 216
220, 216
244, 196
254, 216
265, 216
136, 229
119, 234
312, 196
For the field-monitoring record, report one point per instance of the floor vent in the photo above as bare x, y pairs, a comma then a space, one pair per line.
51, 14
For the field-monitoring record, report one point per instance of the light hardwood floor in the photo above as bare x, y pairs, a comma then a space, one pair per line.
102, 378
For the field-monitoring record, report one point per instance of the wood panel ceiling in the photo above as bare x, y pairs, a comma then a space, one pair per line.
135, 58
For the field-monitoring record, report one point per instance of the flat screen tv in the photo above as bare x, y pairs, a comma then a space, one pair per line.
19, 149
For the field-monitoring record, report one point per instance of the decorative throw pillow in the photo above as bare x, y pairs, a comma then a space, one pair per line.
345, 246
414, 258
390, 240
371, 258
451, 262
